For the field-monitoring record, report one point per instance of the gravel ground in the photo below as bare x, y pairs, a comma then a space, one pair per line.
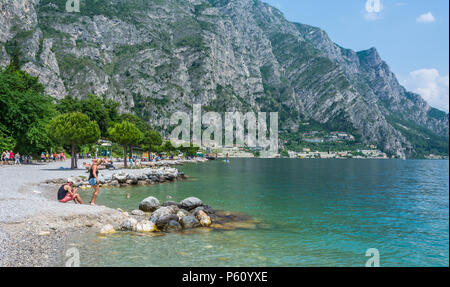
34, 226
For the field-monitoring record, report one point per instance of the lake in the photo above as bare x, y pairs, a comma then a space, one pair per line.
315, 213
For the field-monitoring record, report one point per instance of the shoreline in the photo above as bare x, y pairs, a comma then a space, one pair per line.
34, 226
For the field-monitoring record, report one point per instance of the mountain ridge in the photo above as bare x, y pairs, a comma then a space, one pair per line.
158, 57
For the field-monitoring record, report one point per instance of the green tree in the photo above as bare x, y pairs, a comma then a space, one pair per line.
6, 141
190, 150
103, 111
151, 140
73, 129
168, 148
25, 111
142, 125
125, 134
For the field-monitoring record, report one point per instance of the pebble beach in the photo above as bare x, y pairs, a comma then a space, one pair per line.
34, 226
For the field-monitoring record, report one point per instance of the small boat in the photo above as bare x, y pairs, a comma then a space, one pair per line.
211, 157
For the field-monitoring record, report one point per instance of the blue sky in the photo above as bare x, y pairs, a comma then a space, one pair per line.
412, 36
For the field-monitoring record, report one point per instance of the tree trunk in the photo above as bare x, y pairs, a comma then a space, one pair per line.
73, 162
125, 163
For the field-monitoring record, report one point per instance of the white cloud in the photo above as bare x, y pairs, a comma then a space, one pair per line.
426, 18
433, 87
373, 8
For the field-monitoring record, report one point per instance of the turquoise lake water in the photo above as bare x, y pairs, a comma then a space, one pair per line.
316, 212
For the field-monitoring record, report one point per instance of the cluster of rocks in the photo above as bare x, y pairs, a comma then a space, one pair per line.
125, 178
170, 216
146, 176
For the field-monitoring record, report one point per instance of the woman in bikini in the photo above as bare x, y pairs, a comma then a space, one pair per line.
93, 179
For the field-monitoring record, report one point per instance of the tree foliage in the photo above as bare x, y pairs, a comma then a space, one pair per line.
24, 112
103, 111
73, 129
125, 134
151, 140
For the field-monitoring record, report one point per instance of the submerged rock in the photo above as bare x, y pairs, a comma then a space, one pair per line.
173, 225
149, 204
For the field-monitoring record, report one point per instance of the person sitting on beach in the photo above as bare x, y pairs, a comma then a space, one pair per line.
108, 164
66, 193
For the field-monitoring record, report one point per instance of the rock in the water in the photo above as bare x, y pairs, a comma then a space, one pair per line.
199, 214
189, 222
129, 224
107, 229
204, 219
145, 226
191, 203
164, 220
160, 212
173, 225
149, 204
206, 208
120, 177
138, 212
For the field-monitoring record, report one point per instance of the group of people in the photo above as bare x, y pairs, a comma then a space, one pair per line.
67, 192
9, 157
46, 157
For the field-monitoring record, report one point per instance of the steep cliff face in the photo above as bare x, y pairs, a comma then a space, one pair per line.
157, 57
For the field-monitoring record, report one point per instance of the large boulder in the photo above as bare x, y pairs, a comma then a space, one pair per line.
189, 222
149, 204
129, 224
120, 177
182, 213
132, 179
141, 176
162, 211
163, 221
191, 203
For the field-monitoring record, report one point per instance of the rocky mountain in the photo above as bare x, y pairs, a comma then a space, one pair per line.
160, 56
